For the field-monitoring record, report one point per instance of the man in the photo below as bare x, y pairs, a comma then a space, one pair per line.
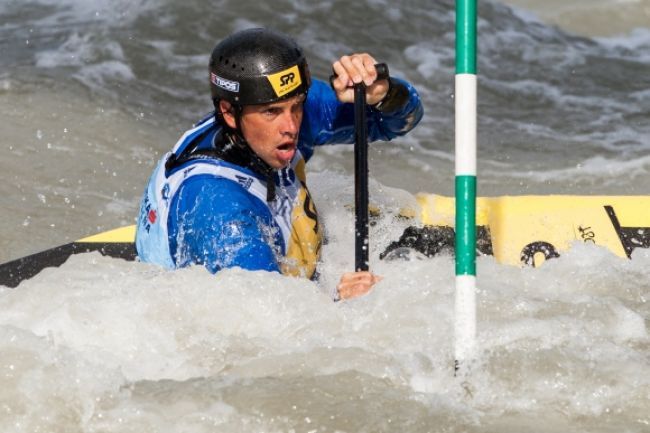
232, 192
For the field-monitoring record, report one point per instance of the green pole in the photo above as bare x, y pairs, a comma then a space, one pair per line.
465, 171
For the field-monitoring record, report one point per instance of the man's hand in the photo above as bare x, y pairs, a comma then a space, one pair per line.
355, 284
354, 69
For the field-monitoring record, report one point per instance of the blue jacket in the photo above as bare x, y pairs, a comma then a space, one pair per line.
214, 213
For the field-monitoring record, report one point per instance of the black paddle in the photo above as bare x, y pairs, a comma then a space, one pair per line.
362, 244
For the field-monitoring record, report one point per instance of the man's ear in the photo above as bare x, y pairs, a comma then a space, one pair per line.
227, 111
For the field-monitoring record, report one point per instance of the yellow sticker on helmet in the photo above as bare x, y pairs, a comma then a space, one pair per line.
285, 81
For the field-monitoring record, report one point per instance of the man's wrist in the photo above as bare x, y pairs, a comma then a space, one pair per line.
397, 97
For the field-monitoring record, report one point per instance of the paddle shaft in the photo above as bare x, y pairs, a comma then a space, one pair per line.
361, 238
361, 245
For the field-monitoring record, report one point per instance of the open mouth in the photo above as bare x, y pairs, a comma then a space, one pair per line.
285, 152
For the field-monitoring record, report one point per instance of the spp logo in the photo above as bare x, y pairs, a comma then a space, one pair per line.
285, 81
287, 78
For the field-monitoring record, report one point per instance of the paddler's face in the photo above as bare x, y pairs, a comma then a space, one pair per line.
271, 130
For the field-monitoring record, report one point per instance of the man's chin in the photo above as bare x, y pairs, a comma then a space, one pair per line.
277, 164
283, 158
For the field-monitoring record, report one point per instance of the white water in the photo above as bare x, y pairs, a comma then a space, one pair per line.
118, 347
105, 345
590, 17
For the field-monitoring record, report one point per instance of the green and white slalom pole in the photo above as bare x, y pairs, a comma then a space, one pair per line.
465, 138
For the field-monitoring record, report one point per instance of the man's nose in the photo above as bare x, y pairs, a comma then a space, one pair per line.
290, 123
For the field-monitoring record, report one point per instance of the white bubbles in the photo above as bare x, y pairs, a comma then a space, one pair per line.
590, 17
137, 338
100, 12
427, 59
95, 59
611, 171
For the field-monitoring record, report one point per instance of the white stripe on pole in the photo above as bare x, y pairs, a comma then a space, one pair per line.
465, 316
465, 101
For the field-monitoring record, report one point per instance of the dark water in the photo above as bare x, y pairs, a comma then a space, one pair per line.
558, 113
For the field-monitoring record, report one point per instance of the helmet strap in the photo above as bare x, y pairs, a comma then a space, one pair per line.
235, 149
237, 111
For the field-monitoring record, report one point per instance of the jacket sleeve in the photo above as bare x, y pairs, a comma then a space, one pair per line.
326, 120
215, 223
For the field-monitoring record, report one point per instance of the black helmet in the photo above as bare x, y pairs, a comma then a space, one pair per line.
257, 66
